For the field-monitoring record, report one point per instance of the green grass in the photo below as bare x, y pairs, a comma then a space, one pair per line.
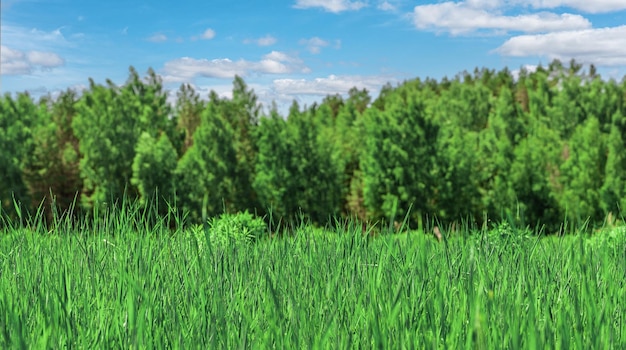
118, 285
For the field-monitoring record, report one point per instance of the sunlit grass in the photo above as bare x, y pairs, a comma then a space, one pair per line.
120, 283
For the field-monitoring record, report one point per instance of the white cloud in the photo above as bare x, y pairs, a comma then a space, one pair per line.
208, 34
386, 6
590, 6
16, 62
25, 38
486, 4
13, 62
158, 38
333, 84
45, 59
267, 40
601, 46
459, 18
314, 45
186, 69
334, 6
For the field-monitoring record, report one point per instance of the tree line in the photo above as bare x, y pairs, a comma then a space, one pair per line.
539, 147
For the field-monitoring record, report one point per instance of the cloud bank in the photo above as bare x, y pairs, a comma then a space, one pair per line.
186, 69
16, 62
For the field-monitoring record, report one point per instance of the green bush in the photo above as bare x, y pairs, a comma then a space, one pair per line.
240, 228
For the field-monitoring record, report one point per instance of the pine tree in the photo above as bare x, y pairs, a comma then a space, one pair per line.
208, 168
52, 171
613, 191
274, 180
242, 113
397, 158
108, 123
496, 154
153, 171
582, 174
187, 113
17, 119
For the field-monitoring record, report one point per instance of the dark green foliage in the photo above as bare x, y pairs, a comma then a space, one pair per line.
242, 113
273, 182
52, 172
397, 162
209, 167
347, 135
534, 178
535, 148
153, 170
18, 117
582, 173
496, 155
189, 107
295, 172
108, 124
613, 192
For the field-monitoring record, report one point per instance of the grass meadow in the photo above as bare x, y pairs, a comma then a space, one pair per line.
120, 283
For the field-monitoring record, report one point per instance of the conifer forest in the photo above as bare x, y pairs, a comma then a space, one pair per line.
534, 148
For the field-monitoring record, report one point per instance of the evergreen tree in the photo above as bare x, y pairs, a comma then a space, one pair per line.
274, 180
613, 191
108, 124
296, 171
209, 167
397, 158
242, 113
534, 177
496, 156
52, 171
187, 113
17, 119
582, 173
153, 171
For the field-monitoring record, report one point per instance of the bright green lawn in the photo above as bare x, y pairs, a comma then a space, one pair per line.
119, 288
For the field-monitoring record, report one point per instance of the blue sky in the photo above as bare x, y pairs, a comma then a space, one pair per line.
298, 49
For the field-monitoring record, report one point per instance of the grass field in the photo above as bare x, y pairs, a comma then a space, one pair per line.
117, 285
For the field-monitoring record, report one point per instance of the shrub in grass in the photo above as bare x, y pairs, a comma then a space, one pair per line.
229, 229
240, 228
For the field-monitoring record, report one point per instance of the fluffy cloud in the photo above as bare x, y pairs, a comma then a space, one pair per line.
45, 59
208, 34
386, 6
314, 45
16, 62
590, 6
459, 18
186, 69
158, 38
267, 40
333, 84
334, 6
601, 46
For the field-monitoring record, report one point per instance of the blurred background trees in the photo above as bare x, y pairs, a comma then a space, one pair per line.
538, 147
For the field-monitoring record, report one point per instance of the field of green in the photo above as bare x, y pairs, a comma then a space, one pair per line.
119, 283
